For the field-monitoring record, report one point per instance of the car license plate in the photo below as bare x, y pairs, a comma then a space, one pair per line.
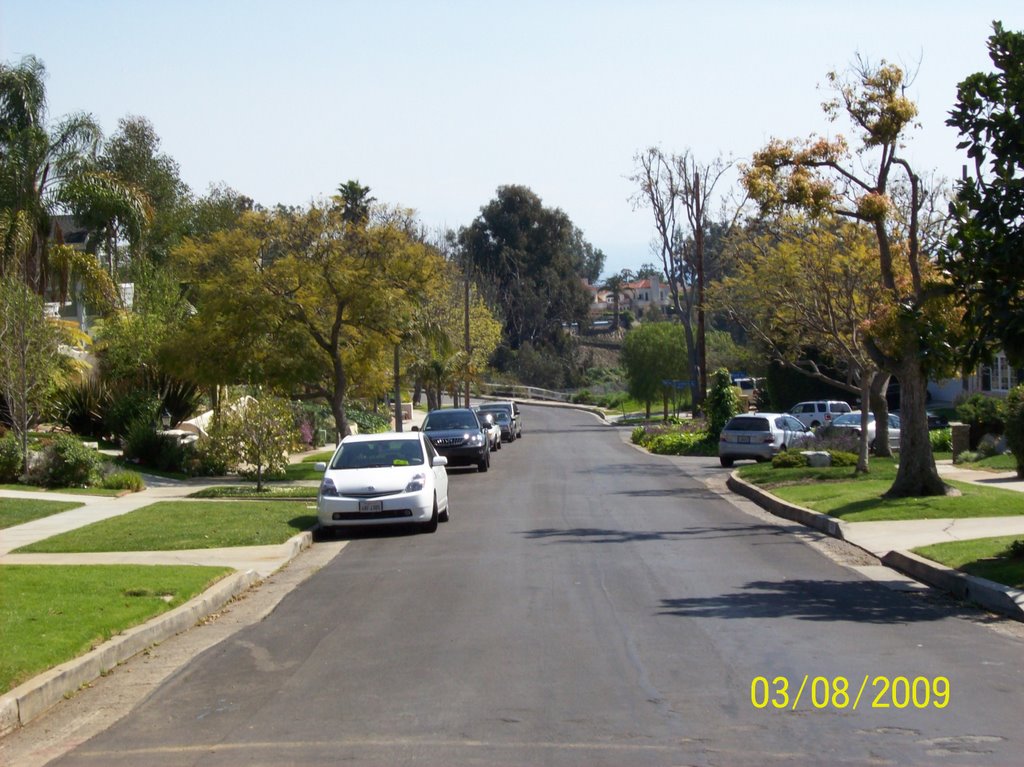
743, 439
371, 507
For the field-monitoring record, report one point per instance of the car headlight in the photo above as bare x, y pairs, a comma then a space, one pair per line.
416, 484
328, 489
476, 440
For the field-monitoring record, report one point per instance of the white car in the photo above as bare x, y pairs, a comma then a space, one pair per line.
760, 436
490, 425
384, 479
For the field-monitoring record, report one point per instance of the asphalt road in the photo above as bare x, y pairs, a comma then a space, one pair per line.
588, 604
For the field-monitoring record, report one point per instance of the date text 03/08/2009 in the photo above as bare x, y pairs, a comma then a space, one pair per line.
838, 692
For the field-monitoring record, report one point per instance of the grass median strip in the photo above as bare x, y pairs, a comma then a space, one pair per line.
178, 525
991, 558
18, 511
50, 614
858, 498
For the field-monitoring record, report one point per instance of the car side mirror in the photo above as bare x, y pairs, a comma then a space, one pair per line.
439, 460
319, 466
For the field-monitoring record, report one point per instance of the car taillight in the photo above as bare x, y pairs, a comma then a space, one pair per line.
769, 440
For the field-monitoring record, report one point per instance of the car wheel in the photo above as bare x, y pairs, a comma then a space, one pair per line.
485, 463
726, 462
431, 526
445, 515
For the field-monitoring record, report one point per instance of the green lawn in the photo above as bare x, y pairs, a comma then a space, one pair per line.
18, 511
985, 557
858, 498
51, 614
176, 525
995, 463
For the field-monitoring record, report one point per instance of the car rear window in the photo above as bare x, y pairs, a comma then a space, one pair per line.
748, 423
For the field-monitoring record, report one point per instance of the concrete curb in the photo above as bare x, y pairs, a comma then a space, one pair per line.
27, 701
780, 508
990, 595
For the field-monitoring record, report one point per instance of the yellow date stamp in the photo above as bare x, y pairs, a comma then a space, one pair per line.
840, 693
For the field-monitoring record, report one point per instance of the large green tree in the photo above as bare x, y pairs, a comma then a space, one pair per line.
878, 186
810, 289
653, 353
528, 260
304, 299
984, 254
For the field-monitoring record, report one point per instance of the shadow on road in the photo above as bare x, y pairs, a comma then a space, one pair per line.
603, 535
850, 601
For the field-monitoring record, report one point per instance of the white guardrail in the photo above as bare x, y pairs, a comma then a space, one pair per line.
521, 392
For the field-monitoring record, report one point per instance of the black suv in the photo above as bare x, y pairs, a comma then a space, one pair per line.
456, 434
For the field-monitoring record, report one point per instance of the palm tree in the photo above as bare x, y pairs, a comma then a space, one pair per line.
355, 202
46, 170
616, 285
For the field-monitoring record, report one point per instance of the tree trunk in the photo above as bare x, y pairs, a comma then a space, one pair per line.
917, 475
880, 409
338, 399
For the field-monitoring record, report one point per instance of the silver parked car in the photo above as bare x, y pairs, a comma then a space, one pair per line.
850, 422
760, 436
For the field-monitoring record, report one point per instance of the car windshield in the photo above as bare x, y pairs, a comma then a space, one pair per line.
378, 453
748, 423
454, 420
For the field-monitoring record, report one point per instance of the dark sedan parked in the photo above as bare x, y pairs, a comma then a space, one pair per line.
456, 434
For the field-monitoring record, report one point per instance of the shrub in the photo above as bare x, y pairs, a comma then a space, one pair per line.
989, 446
843, 458
968, 456
80, 405
68, 463
681, 443
367, 421
789, 459
639, 435
722, 402
1015, 426
209, 457
11, 459
129, 408
144, 445
942, 440
583, 397
124, 480
984, 415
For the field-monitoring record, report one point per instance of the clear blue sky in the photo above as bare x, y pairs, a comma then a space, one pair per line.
435, 104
